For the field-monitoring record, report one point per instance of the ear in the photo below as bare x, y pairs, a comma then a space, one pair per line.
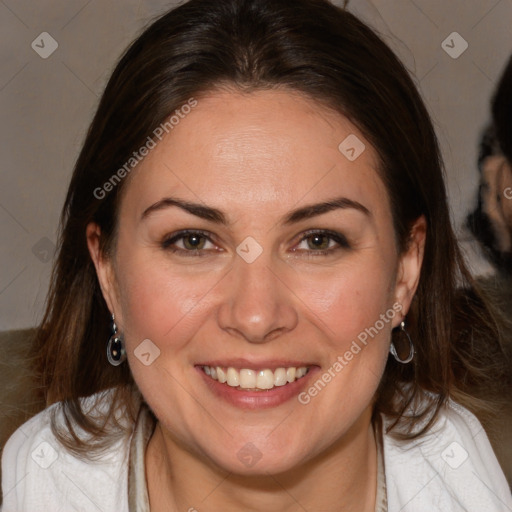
409, 267
104, 268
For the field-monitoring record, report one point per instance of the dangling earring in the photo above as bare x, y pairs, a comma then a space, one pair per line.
116, 354
392, 348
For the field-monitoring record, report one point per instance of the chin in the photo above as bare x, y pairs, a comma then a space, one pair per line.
248, 458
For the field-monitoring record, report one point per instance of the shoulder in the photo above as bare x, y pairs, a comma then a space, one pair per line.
38, 473
452, 467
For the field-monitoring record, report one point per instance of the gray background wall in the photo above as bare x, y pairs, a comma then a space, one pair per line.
46, 105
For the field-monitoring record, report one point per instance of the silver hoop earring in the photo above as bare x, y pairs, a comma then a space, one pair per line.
116, 354
393, 351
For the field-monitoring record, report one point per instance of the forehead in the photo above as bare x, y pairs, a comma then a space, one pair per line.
264, 149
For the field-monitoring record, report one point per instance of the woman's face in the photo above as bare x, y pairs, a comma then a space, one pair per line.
496, 198
288, 262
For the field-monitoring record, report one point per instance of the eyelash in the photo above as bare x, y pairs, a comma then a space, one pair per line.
340, 239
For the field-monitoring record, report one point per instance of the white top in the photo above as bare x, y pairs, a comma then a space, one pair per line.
453, 468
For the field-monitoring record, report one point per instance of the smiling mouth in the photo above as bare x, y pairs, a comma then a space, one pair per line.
255, 380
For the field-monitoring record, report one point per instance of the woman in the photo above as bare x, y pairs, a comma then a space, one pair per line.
491, 222
257, 230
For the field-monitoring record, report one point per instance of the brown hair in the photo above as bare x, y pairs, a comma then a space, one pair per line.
326, 53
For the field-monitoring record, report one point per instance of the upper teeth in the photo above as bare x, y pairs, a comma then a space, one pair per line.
255, 379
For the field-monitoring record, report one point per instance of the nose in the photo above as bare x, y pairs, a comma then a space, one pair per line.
257, 304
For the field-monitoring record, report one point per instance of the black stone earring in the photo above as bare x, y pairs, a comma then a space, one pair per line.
394, 353
116, 354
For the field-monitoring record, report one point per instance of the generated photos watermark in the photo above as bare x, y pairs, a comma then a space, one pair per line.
343, 360
150, 144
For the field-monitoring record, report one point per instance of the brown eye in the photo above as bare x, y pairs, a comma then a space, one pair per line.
318, 242
194, 242
189, 243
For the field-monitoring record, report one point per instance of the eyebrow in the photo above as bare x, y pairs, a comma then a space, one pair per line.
295, 216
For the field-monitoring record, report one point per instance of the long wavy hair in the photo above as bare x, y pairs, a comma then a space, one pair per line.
327, 54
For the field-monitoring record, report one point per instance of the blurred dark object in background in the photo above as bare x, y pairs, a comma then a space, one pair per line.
502, 111
491, 221
491, 225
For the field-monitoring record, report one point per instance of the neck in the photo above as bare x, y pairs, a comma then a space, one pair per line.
343, 477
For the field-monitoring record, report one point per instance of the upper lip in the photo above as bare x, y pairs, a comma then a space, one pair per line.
242, 363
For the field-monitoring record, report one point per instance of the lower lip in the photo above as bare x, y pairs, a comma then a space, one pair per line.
258, 399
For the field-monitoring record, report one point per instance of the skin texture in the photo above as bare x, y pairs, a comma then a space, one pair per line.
256, 157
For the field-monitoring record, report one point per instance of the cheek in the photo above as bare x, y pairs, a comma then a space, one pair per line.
349, 301
168, 304
161, 303
354, 313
